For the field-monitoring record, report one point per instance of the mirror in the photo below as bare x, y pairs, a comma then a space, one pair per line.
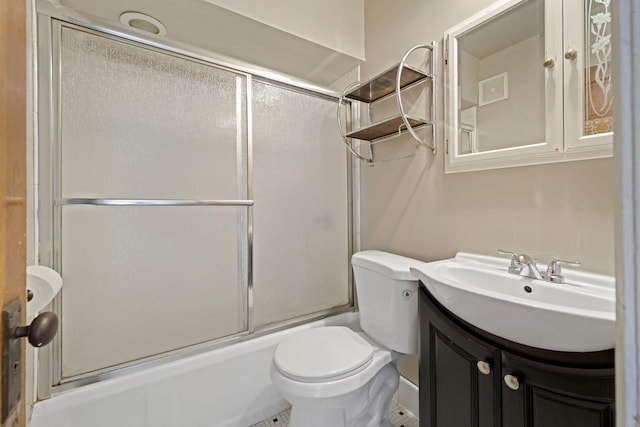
513, 97
501, 83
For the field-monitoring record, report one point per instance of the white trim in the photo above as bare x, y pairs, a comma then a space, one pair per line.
407, 396
31, 373
626, 42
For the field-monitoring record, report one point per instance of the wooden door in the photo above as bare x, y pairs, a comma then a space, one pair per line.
557, 396
459, 374
13, 167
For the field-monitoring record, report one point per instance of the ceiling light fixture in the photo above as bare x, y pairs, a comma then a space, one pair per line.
143, 22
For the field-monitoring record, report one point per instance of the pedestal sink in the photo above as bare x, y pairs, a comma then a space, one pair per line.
575, 316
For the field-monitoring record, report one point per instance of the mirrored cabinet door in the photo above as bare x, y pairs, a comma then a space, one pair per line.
504, 107
588, 77
528, 82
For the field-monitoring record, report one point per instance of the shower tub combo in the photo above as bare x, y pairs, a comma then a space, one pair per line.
226, 387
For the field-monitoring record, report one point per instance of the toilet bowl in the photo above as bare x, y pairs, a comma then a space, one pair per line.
334, 376
347, 382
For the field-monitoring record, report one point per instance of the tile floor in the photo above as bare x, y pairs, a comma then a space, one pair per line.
398, 416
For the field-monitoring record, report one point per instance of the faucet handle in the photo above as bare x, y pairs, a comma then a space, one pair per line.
515, 267
554, 266
514, 255
517, 259
554, 272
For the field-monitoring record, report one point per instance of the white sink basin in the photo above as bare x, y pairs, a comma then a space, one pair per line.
576, 316
45, 284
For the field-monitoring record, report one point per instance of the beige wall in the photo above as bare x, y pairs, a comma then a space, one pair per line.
412, 208
519, 119
468, 79
336, 24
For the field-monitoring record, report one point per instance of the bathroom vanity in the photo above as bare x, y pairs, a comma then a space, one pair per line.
469, 377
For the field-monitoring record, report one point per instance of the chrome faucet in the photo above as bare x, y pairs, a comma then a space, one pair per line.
524, 265
554, 272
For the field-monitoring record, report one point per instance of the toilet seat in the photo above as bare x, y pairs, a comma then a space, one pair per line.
323, 354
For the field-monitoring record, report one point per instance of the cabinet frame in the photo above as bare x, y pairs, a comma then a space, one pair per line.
563, 95
578, 145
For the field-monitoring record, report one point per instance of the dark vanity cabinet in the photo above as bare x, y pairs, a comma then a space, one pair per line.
553, 396
469, 378
453, 391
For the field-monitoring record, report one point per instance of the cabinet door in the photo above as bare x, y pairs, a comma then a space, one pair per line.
552, 396
454, 391
588, 91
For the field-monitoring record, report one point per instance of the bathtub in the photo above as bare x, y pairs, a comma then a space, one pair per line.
226, 387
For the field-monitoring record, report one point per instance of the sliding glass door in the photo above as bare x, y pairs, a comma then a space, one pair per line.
184, 203
140, 280
301, 219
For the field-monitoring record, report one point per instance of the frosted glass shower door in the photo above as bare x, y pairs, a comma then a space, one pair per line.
139, 124
301, 213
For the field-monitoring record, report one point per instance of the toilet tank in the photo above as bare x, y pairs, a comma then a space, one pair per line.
387, 299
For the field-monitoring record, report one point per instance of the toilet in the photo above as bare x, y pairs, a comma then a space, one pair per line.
333, 376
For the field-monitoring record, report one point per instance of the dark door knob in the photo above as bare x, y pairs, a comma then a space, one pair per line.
41, 331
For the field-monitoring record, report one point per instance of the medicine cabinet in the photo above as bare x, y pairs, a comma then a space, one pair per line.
529, 82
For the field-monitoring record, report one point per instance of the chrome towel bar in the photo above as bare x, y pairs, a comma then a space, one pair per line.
150, 202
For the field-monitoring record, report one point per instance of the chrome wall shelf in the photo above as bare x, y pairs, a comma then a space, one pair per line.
394, 80
384, 128
385, 83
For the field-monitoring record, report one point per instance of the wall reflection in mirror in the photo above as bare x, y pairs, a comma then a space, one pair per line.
501, 83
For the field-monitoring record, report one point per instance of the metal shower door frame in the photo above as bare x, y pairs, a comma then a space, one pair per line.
49, 27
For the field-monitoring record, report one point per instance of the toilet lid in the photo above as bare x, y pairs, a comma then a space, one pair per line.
323, 354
